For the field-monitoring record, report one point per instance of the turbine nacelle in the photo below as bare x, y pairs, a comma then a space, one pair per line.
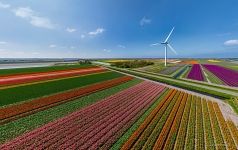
164, 43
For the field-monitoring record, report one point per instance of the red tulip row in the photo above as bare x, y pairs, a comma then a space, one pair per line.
8, 113
94, 126
173, 133
200, 144
181, 136
172, 121
20, 79
209, 138
224, 128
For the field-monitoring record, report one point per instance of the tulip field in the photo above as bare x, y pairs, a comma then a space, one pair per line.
228, 76
95, 108
196, 73
214, 73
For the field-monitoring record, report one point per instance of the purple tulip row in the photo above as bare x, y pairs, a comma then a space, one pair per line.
228, 76
196, 73
97, 125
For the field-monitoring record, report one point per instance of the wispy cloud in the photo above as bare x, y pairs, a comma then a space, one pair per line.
70, 30
154, 44
145, 21
97, 31
231, 42
52, 46
3, 42
2, 5
121, 46
107, 50
82, 36
32, 17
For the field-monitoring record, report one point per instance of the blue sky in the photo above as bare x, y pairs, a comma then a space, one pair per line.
113, 28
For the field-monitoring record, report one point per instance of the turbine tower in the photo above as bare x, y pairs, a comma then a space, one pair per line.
166, 45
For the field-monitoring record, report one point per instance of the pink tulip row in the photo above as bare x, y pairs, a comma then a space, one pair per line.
104, 118
79, 125
50, 127
106, 129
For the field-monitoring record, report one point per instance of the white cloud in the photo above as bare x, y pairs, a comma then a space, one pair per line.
70, 30
3, 42
72, 47
97, 31
4, 5
231, 42
28, 14
52, 46
107, 50
82, 36
121, 46
154, 44
145, 21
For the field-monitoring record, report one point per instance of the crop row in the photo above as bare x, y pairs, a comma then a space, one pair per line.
196, 73
182, 121
33, 91
160, 127
20, 79
234, 130
228, 76
209, 139
153, 128
173, 121
224, 128
190, 138
42, 103
200, 145
219, 141
181, 136
98, 125
170, 69
20, 126
23, 71
155, 114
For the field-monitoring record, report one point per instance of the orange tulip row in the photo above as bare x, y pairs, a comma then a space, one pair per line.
154, 114
179, 144
165, 121
172, 133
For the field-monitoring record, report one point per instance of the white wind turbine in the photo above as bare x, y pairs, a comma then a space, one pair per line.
166, 45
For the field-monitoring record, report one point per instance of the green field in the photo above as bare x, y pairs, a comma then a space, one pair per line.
5, 72
27, 92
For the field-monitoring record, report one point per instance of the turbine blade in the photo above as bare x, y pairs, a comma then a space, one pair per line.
169, 35
172, 49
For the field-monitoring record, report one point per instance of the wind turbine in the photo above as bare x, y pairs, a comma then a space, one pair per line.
166, 45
